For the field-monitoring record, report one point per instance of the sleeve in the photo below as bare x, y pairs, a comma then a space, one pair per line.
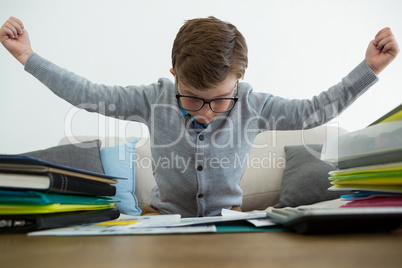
127, 103
291, 114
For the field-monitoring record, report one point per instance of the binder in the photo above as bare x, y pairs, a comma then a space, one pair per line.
53, 182
34, 222
28, 164
24, 172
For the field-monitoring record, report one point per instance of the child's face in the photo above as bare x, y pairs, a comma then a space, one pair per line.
223, 90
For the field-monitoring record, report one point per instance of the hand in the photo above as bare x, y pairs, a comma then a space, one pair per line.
382, 50
15, 39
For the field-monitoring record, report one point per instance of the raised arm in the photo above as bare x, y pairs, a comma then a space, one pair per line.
296, 114
130, 103
15, 39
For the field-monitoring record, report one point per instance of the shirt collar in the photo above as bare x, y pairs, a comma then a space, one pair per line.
184, 113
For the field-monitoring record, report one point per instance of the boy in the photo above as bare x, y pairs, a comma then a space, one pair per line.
207, 120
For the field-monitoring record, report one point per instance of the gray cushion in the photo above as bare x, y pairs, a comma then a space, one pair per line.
84, 155
305, 177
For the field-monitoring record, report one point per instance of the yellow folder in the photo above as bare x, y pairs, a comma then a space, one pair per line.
10, 209
375, 181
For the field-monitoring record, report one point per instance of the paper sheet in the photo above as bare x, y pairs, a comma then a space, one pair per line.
163, 224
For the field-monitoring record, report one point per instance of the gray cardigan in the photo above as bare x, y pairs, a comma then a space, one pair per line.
198, 173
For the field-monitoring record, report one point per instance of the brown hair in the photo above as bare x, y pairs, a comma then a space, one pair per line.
206, 50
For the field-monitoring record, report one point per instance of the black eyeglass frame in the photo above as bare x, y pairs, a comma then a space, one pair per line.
235, 99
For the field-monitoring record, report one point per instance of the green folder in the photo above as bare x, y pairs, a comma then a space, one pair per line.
372, 181
394, 175
32, 202
246, 229
40, 198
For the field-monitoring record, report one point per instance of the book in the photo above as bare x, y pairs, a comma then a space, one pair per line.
15, 167
28, 164
34, 222
54, 182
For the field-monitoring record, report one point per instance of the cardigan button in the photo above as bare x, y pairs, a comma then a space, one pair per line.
201, 137
199, 168
200, 196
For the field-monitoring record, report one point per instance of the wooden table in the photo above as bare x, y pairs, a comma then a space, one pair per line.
273, 249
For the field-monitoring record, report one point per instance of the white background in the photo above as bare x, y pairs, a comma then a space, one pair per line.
296, 50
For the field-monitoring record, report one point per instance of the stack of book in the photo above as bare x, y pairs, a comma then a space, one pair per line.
36, 194
369, 163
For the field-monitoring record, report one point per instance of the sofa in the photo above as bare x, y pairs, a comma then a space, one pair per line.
283, 168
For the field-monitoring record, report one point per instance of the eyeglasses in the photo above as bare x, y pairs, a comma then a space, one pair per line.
217, 105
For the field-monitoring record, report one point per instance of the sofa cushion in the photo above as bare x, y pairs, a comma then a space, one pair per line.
118, 161
83, 155
305, 177
144, 178
261, 183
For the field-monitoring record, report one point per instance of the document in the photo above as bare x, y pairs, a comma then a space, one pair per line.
126, 225
163, 224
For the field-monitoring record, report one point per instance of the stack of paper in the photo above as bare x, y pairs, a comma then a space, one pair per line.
380, 183
369, 163
230, 221
35, 195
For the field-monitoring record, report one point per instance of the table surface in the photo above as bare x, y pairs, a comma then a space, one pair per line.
269, 249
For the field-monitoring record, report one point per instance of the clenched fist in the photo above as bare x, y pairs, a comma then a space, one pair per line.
382, 50
15, 39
